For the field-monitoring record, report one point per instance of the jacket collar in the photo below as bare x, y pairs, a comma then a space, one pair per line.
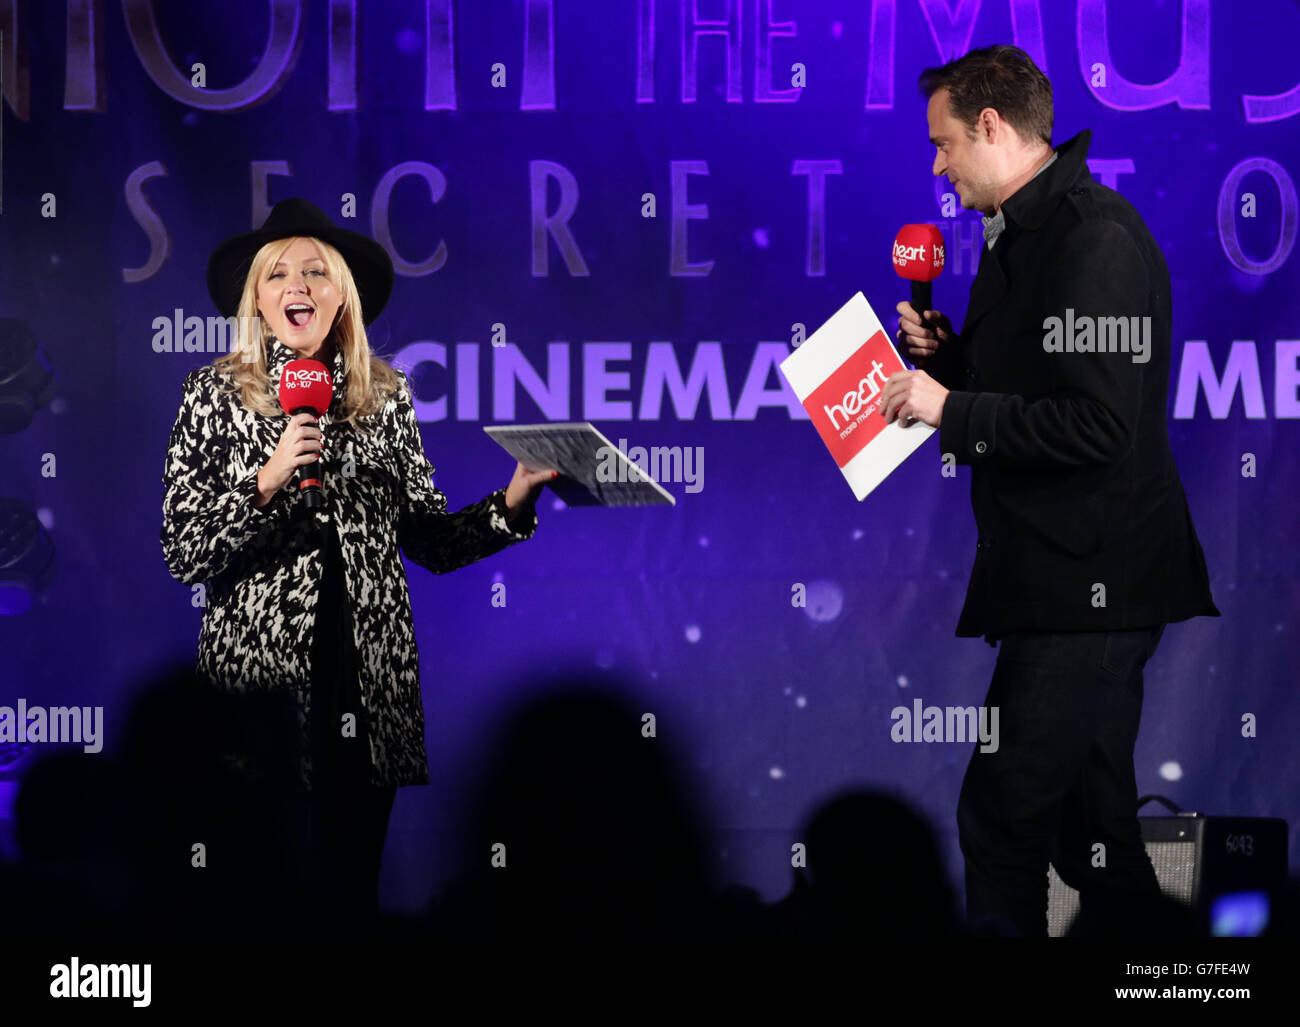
1032, 204
1028, 208
278, 354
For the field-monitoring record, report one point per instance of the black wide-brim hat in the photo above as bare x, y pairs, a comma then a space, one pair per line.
370, 264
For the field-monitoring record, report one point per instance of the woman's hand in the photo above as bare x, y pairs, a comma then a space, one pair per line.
300, 444
523, 489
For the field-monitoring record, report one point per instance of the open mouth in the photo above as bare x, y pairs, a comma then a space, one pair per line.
299, 314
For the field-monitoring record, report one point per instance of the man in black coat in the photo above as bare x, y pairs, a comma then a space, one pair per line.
1054, 393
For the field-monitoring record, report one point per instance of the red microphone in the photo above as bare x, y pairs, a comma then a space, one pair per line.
918, 257
306, 387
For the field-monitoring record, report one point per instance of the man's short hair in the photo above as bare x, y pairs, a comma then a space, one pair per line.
1002, 77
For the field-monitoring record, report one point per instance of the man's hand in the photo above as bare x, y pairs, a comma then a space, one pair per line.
912, 396
921, 339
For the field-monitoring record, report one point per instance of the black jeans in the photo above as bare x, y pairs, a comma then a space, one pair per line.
345, 816
1061, 780
345, 828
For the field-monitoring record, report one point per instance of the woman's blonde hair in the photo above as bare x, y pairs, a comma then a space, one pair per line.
370, 379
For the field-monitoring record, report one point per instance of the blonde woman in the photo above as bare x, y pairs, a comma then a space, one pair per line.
312, 604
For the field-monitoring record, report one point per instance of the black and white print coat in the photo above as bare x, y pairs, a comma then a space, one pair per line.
262, 568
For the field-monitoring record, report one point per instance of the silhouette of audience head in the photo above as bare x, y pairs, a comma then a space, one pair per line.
875, 866
581, 821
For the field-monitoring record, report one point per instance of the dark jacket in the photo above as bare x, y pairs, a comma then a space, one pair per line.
263, 566
1081, 517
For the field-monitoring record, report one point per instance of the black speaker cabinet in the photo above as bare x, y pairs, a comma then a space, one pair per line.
1196, 858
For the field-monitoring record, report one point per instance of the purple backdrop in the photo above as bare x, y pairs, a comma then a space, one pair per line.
504, 153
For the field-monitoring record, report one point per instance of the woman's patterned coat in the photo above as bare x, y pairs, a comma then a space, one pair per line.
263, 567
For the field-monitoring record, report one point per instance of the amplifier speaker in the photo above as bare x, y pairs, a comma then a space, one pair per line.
1196, 858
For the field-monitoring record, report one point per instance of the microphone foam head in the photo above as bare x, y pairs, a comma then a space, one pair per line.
918, 252
306, 383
